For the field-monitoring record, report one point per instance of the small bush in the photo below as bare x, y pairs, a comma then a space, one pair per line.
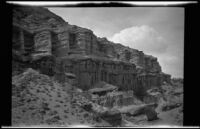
85, 115
57, 106
59, 95
53, 113
65, 111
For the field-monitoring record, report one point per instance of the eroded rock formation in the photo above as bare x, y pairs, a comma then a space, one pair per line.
38, 33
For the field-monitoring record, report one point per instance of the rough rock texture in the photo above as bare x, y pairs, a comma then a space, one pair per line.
116, 99
73, 57
102, 88
151, 114
92, 70
38, 100
170, 98
166, 78
135, 110
38, 33
112, 116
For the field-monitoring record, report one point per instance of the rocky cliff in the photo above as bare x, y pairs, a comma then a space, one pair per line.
46, 42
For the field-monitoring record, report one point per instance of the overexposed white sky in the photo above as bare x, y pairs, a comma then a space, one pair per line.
158, 31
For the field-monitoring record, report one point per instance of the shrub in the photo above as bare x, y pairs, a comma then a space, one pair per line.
57, 106
85, 115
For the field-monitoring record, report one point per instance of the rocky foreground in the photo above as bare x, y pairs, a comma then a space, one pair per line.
39, 100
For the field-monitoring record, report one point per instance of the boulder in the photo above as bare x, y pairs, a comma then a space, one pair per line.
101, 88
168, 107
151, 113
70, 78
112, 116
147, 109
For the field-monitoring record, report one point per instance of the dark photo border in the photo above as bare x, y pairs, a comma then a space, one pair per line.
191, 59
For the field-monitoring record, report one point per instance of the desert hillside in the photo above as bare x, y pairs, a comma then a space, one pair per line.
65, 75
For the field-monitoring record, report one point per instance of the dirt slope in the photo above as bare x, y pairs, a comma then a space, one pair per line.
39, 100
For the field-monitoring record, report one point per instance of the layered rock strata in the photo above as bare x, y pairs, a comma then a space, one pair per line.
38, 33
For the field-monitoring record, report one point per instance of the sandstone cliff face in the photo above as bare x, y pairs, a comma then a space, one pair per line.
38, 33
92, 70
147, 62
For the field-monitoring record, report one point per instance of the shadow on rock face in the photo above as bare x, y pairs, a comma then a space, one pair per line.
151, 114
113, 117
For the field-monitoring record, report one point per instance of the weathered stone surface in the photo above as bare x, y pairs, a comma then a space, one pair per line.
38, 33
171, 106
42, 42
46, 65
153, 95
112, 116
72, 54
60, 44
106, 48
116, 99
166, 78
101, 88
39, 100
151, 114
93, 70
147, 109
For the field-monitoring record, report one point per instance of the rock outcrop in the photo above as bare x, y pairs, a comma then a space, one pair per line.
116, 99
79, 78
102, 88
38, 33
112, 116
37, 100
146, 109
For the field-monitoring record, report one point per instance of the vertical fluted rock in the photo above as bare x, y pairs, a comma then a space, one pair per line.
90, 71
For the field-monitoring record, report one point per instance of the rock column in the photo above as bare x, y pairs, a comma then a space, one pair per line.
43, 42
63, 46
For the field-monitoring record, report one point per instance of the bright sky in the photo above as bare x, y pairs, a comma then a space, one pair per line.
158, 31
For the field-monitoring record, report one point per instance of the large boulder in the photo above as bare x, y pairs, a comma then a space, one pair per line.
112, 116
101, 88
170, 106
151, 113
147, 109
